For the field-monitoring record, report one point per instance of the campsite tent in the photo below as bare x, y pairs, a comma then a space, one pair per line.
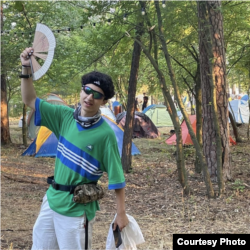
107, 112
117, 107
45, 145
238, 96
186, 138
143, 126
240, 110
159, 115
32, 128
119, 136
244, 98
115, 104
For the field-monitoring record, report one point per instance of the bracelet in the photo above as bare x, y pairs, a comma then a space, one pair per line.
25, 76
25, 66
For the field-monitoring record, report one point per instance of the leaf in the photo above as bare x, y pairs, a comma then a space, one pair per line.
18, 6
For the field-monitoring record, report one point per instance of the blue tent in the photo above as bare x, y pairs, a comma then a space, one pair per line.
152, 106
119, 136
240, 111
184, 100
31, 150
245, 98
45, 145
115, 103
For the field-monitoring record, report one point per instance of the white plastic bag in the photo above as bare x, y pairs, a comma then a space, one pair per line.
131, 236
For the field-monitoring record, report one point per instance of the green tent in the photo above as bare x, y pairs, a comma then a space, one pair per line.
160, 116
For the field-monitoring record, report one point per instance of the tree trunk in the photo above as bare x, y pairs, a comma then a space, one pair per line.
219, 77
233, 123
24, 127
198, 100
181, 106
214, 99
208, 130
212, 144
128, 131
5, 130
248, 133
235, 129
182, 175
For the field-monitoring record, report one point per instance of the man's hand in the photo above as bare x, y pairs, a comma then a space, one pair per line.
25, 56
121, 220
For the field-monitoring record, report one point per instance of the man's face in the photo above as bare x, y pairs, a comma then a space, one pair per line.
90, 106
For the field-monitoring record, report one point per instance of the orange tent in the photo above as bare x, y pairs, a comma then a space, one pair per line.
186, 138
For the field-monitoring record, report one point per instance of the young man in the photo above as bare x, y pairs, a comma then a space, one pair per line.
87, 147
145, 101
136, 104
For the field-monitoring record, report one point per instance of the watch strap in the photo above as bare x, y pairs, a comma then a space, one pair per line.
25, 76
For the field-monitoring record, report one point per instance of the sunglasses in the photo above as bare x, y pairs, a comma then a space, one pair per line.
89, 91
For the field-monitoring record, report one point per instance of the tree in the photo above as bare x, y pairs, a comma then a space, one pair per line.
174, 117
220, 82
214, 91
182, 175
128, 132
5, 132
180, 104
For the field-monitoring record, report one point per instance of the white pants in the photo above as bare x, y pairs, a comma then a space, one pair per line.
53, 231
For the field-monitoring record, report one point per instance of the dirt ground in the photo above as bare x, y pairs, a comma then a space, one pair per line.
153, 195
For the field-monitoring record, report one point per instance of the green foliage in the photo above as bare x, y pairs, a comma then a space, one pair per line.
18, 6
106, 47
238, 185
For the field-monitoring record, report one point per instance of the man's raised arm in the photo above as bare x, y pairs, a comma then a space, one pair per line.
27, 88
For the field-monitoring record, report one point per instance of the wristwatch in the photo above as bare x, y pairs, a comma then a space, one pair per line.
25, 76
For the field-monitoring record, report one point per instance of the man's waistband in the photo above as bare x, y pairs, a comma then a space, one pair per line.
56, 186
66, 188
